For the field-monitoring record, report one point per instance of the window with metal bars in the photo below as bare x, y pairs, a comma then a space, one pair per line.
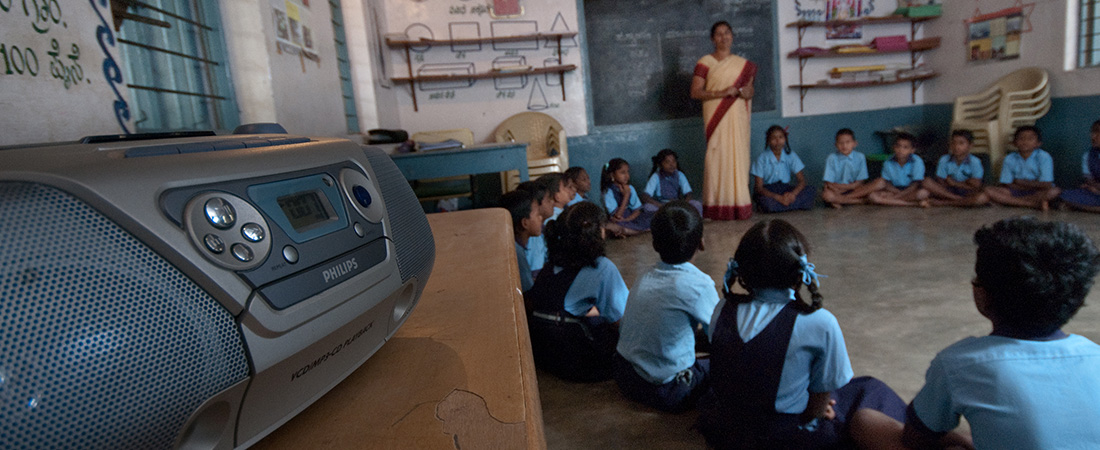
350, 112
177, 65
1088, 54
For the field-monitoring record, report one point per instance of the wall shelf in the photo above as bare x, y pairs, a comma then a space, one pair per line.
409, 44
915, 53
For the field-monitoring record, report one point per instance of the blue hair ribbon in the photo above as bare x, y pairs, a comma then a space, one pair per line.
808, 274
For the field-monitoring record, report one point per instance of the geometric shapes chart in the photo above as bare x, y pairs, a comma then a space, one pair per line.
446, 69
505, 62
515, 28
464, 31
537, 100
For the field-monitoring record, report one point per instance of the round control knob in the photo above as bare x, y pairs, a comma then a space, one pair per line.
242, 252
290, 254
362, 196
220, 213
253, 232
214, 243
359, 230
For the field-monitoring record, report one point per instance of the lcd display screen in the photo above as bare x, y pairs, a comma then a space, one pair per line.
306, 209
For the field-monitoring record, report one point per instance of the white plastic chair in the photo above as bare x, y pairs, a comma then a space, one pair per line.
1017, 99
547, 150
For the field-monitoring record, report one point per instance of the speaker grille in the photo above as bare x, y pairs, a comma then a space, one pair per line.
411, 234
103, 344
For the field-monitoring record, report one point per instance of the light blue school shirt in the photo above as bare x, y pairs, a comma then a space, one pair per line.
601, 286
772, 170
577, 198
657, 333
525, 279
1016, 393
816, 358
653, 186
902, 176
842, 169
1085, 164
1039, 166
536, 246
971, 168
611, 205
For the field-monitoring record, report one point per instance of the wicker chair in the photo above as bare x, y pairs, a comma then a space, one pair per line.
547, 150
1017, 99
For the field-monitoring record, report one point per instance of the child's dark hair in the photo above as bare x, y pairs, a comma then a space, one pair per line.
769, 256
903, 136
519, 204
1095, 128
1031, 128
608, 169
575, 239
537, 190
573, 174
677, 231
1036, 273
551, 182
844, 131
786, 138
967, 134
661, 155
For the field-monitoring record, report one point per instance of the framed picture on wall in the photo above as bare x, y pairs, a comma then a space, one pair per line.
995, 36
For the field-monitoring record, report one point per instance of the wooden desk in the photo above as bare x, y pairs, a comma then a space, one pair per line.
467, 161
459, 372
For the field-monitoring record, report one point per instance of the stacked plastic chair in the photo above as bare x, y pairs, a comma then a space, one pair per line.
547, 150
1017, 99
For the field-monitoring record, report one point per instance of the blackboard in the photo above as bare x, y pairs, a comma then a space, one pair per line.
642, 54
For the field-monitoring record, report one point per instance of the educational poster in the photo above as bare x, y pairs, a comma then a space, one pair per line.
294, 29
995, 36
843, 10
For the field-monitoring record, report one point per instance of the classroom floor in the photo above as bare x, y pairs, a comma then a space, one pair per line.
898, 282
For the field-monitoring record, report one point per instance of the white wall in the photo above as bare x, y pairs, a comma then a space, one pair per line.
482, 106
1043, 47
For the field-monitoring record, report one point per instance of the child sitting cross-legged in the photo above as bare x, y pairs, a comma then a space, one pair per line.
958, 180
902, 175
1087, 197
772, 173
667, 182
846, 174
656, 363
1027, 175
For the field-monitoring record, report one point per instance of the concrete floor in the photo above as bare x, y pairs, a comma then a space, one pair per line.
898, 282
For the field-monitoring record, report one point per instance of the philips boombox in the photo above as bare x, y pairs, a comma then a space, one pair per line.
194, 291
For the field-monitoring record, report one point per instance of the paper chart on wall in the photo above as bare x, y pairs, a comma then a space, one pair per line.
294, 29
995, 36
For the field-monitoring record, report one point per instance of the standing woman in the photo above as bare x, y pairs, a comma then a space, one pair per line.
723, 81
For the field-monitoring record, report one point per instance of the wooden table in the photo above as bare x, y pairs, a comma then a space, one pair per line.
459, 372
467, 161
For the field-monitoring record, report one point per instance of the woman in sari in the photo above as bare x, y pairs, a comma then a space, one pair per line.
723, 81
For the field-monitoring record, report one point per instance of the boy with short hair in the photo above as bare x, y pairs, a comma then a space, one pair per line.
526, 223
536, 245
902, 176
846, 172
559, 190
577, 179
1027, 175
655, 363
958, 180
1027, 385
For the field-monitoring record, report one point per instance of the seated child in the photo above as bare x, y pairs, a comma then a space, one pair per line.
1028, 384
655, 363
1027, 175
667, 182
958, 180
779, 371
846, 172
772, 176
902, 176
1087, 197
627, 217
560, 191
536, 245
526, 223
577, 178
577, 300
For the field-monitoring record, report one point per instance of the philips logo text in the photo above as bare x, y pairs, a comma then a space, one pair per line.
340, 270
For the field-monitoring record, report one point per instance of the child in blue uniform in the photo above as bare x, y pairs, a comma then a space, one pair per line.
578, 298
772, 173
846, 174
536, 246
780, 375
626, 215
1087, 197
958, 180
655, 363
1027, 175
1028, 384
667, 182
526, 223
902, 176
577, 179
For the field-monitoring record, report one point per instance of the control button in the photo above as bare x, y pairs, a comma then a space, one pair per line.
220, 213
253, 232
362, 196
290, 254
359, 229
242, 252
214, 243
